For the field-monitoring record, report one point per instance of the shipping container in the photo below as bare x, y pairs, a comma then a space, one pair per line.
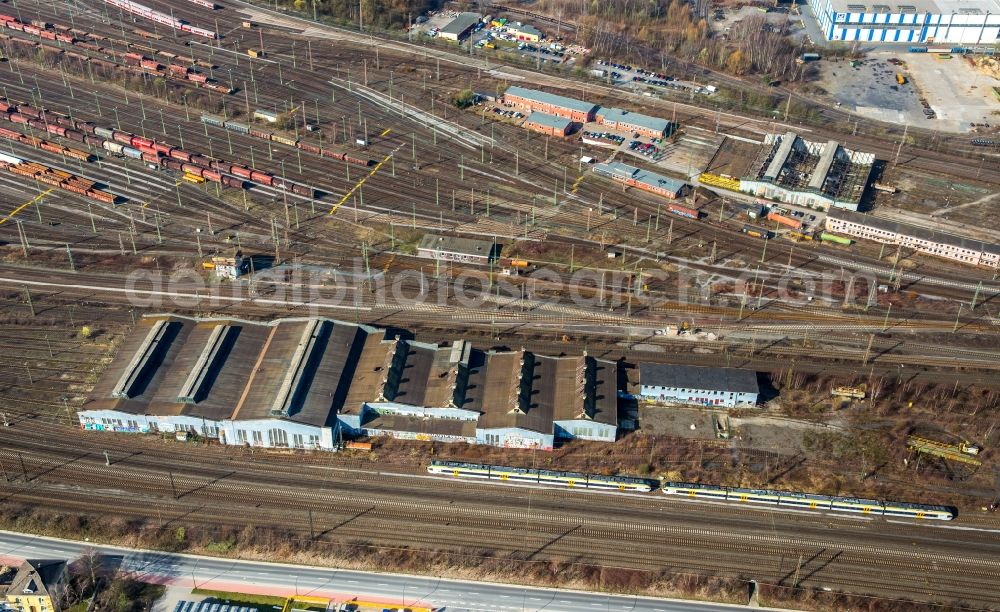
792, 223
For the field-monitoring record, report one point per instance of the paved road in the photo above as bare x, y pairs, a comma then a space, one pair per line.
259, 577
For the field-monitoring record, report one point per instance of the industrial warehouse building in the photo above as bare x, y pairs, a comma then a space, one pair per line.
726, 387
459, 27
961, 22
305, 382
532, 100
642, 179
465, 250
547, 124
812, 174
931, 242
644, 125
525, 32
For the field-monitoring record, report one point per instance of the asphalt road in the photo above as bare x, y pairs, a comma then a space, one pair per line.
260, 577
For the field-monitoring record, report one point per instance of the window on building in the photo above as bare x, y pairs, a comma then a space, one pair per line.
258, 437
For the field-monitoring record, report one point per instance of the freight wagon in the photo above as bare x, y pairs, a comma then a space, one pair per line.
683, 211
837, 239
756, 232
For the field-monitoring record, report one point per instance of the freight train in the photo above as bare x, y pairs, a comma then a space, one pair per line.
130, 61
130, 145
234, 126
769, 497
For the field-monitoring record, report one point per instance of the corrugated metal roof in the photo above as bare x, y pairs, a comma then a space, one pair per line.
624, 171
914, 231
452, 244
549, 121
553, 99
700, 378
619, 115
461, 23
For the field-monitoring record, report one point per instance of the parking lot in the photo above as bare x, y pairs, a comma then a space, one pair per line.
639, 79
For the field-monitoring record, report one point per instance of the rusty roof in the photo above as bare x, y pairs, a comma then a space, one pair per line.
258, 366
426, 374
508, 388
420, 426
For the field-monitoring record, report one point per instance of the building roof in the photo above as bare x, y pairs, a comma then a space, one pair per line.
921, 233
586, 389
502, 386
463, 246
781, 156
620, 171
526, 29
695, 377
418, 426
549, 121
934, 7
548, 98
623, 116
426, 374
37, 578
300, 369
460, 24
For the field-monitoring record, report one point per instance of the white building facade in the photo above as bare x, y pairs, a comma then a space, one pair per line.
941, 22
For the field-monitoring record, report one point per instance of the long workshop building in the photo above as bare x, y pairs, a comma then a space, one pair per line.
934, 22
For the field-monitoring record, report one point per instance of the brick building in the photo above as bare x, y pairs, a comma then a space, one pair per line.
561, 106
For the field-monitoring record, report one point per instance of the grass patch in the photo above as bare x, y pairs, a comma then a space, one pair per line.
241, 599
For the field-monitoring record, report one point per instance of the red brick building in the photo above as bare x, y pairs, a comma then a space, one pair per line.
560, 106
547, 124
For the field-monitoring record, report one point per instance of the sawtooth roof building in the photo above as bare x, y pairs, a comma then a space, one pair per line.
820, 175
305, 382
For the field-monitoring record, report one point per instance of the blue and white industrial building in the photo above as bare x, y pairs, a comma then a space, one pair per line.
702, 386
931, 22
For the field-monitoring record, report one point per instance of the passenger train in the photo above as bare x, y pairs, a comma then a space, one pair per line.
570, 480
791, 499
766, 497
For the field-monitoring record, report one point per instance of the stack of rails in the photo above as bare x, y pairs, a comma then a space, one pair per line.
133, 62
235, 126
150, 151
55, 177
